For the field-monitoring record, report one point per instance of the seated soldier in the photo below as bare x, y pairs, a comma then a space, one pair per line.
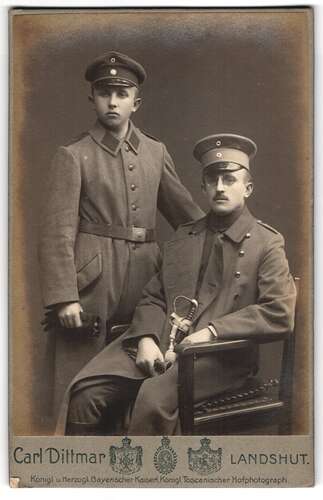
234, 266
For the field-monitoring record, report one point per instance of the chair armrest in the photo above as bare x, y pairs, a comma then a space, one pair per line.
225, 345
215, 345
119, 329
114, 330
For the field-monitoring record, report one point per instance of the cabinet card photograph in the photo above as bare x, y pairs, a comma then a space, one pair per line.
161, 247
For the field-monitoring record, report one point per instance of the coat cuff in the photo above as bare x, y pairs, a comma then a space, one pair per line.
52, 298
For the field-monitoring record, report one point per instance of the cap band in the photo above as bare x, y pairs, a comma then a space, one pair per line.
225, 155
115, 75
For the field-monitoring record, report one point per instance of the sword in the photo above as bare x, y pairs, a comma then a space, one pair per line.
180, 328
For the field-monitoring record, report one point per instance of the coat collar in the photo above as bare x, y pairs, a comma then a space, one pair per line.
241, 226
236, 232
110, 143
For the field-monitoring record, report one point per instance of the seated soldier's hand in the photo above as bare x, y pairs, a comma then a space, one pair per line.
69, 315
148, 352
203, 335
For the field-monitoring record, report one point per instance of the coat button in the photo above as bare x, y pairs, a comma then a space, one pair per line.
237, 274
134, 207
133, 187
248, 235
241, 253
131, 167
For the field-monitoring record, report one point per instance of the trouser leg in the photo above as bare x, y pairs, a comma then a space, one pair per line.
98, 408
156, 408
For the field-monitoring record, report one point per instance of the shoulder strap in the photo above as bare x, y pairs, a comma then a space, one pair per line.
267, 226
150, 136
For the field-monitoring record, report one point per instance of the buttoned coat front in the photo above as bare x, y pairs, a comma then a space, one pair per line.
105, 181
255, 296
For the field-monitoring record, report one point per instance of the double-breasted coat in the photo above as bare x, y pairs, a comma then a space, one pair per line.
102, 180
254, 295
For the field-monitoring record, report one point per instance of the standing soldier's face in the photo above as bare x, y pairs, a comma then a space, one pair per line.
114, 105
226, 191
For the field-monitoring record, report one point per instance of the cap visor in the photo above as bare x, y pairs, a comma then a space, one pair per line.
115, 82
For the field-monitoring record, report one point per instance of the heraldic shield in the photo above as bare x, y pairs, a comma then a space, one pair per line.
205, 460
126, 460
165, 458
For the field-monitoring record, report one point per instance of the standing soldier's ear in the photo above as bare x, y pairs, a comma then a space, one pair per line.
137, 104
249, 189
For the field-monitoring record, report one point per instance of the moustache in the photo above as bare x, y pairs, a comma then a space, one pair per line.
224, 198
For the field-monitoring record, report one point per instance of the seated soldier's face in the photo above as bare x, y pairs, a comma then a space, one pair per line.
114, 105
226, 191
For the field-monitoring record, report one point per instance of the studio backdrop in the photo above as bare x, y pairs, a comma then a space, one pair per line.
209, 71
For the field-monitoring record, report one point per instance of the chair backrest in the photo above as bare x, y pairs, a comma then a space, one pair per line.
288, 359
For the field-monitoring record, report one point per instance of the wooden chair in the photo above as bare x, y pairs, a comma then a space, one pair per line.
259, 407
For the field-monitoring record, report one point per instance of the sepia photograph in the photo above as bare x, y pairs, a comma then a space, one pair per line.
161, 246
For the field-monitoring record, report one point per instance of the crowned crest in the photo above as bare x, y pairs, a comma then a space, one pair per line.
125, 459
205, 460
165, 458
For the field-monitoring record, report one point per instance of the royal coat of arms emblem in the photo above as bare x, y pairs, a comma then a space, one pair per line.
205, 460
165, 458
125, 459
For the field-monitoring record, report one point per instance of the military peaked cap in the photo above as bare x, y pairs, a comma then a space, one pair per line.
116, 69
225, 148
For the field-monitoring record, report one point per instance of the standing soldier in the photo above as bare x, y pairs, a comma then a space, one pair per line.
97, 245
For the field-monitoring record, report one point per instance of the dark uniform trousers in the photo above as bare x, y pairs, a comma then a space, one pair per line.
99, 405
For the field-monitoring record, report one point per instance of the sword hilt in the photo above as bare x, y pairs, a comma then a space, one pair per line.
180, 327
